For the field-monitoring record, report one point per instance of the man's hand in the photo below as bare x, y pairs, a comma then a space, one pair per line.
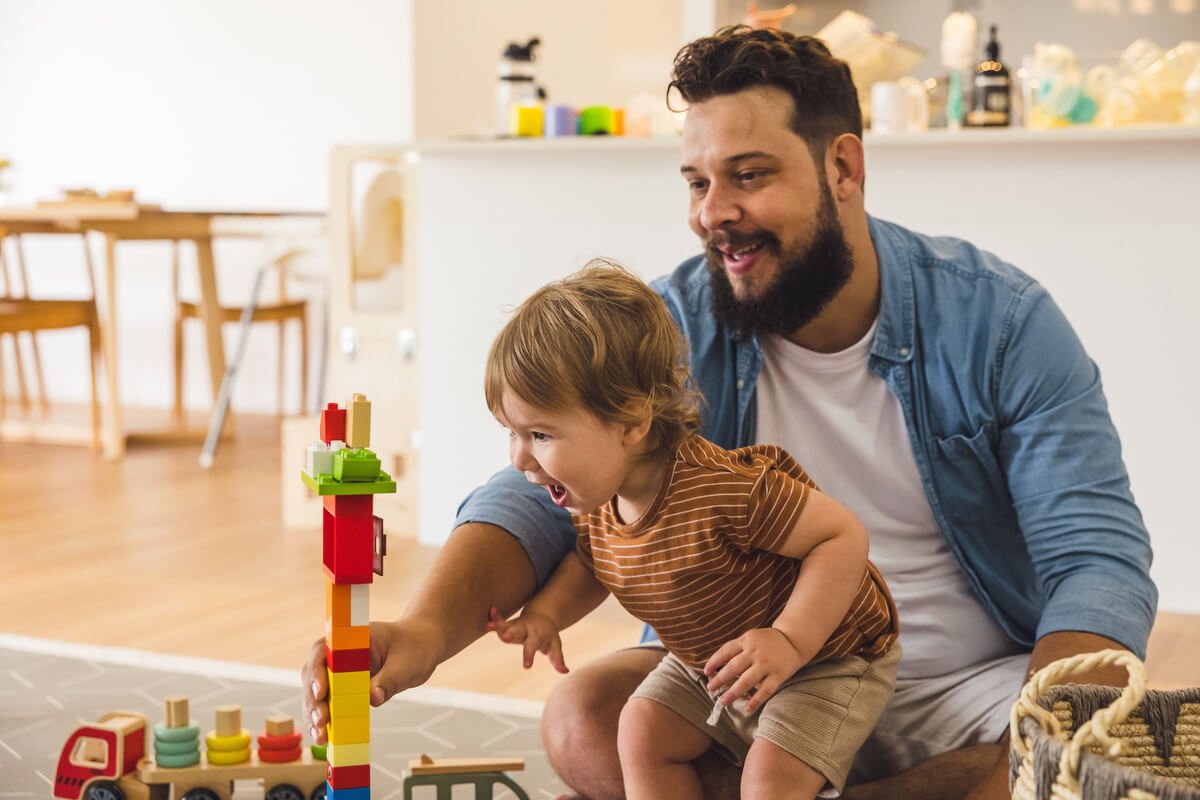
403, 655
536, 632
758, 660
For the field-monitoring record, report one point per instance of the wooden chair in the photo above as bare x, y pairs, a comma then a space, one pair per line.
280, 313
20, 313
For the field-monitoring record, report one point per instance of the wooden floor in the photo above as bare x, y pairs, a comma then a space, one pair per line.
157, 554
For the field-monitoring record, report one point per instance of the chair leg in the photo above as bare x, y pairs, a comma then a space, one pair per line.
3, 388
93, 358
177, 335
177, 342
280, 341
303, 364
38, 376
22, 388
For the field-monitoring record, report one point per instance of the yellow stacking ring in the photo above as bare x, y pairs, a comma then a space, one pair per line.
228, 756
228, 744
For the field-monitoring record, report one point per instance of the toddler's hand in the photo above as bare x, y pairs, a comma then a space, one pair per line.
753, 665
532, 630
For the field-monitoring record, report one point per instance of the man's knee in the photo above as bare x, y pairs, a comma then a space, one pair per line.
581, 716
586, 706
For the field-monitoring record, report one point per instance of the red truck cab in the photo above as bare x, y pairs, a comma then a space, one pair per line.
103, 750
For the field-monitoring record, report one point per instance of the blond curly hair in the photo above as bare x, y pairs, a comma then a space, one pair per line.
603, 339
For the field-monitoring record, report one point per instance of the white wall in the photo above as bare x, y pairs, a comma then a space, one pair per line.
221, 105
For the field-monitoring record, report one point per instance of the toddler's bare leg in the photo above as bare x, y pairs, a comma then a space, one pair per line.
770, 771
656, 747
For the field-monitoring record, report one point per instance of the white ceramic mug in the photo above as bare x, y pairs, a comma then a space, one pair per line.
899, 106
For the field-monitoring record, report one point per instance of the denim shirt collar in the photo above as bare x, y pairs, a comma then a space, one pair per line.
895, 333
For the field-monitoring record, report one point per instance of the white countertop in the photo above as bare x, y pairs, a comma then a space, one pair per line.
931, 138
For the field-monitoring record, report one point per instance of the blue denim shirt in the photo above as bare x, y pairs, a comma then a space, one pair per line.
1008, 422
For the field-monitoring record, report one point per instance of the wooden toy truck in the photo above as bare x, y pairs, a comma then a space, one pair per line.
106, 760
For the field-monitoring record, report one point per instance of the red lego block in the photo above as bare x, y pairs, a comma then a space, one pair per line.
348, 538
352, 777
333, 424
347, 660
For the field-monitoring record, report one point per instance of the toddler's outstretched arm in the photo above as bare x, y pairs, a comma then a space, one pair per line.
571, 593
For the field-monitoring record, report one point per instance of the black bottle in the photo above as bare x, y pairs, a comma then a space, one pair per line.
992, 88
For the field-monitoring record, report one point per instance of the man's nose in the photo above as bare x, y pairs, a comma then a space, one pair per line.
718, 209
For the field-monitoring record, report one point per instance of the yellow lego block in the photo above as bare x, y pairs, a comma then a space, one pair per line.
348, 755
349, 705
358, 421
349, 730
356, 637
342, 683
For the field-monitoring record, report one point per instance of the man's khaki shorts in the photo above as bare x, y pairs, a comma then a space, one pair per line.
821, 715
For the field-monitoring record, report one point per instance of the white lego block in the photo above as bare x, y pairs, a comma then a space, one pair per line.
318, 459
360, 611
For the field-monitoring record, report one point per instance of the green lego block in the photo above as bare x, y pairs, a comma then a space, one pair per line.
325, 484
352, 465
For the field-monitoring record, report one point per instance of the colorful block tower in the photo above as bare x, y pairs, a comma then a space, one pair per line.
346, 474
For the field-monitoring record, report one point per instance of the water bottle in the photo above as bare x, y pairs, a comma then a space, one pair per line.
516, 81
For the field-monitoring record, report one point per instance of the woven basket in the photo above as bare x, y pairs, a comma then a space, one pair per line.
1082, 742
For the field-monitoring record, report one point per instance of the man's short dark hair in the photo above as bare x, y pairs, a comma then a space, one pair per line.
738, 57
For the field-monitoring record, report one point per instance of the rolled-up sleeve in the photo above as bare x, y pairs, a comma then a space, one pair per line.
510, 502
1070, 489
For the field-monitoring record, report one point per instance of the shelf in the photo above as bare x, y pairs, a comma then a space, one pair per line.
933, 138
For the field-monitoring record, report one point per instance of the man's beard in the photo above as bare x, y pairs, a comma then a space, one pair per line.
807, 279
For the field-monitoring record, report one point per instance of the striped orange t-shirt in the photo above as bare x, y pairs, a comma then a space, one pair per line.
698, 566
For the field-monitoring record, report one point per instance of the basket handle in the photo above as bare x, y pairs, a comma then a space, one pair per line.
1095, 729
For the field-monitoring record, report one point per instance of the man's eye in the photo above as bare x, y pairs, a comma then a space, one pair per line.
697, 187
749, 175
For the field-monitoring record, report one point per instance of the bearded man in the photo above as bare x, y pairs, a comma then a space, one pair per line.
935, 390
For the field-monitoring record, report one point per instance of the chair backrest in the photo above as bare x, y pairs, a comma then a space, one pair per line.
7, 286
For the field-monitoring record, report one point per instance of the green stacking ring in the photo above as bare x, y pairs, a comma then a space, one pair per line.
185, 734
184, 760
318, 752
175, 748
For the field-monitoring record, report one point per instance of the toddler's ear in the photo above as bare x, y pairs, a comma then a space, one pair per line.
636, 432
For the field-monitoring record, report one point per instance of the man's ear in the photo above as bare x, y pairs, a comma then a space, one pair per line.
845, 166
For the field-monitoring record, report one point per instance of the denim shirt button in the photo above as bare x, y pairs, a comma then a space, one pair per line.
741, 382
904, 351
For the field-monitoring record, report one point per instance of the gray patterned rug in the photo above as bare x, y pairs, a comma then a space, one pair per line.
48, 689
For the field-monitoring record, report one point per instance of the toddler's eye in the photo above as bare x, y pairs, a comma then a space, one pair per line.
538, 436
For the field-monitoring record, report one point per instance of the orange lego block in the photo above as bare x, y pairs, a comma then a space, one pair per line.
338, 604
351, 637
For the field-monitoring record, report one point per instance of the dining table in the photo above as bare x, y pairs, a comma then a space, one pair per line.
126, 221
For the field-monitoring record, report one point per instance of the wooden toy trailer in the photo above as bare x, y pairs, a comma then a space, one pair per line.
106, 760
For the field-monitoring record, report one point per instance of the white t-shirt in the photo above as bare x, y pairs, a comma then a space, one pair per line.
840, 421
